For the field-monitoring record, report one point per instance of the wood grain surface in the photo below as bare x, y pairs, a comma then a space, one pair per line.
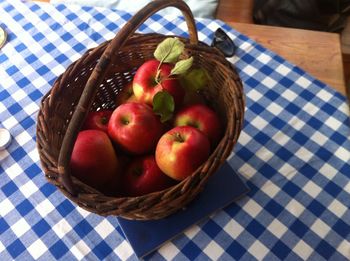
235, 11
318, 53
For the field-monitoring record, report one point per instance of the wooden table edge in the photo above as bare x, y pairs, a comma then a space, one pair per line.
272, 38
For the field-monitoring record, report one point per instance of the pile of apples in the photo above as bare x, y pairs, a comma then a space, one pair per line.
160, 132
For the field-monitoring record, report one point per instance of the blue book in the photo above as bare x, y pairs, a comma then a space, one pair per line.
222, 188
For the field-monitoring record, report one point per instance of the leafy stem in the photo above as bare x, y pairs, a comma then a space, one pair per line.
157, 78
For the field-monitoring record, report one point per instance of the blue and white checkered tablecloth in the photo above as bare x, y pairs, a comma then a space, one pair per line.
294, 152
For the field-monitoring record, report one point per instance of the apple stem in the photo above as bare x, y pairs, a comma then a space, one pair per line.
170, 78
157, 78
178, 137
125, 121
193, 124
104, 120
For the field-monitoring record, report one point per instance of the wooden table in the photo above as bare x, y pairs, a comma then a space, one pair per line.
318, 53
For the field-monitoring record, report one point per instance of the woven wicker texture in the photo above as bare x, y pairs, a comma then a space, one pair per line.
94, 81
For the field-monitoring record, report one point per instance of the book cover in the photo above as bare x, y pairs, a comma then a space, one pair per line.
222, 188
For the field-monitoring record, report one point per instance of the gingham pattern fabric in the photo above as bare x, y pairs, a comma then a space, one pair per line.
294, 152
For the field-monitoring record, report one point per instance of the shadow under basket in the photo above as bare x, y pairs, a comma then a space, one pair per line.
94, 81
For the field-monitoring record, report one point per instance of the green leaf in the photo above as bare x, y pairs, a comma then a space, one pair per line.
169, 50
163, 105
196, 79
182, 66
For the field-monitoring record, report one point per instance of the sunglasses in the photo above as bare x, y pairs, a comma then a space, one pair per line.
224, 43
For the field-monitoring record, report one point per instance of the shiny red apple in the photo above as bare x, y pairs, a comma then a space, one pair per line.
181, 151
203, 118
97, 120
151, 78
94, 160
143, 176
135, 127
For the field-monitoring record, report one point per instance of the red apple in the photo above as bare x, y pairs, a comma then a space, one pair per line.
125, 95
97, 120
147, 82
94, 160
181, 151
143, 176
201, 117
135, 127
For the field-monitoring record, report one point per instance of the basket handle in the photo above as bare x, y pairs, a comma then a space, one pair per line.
100, 71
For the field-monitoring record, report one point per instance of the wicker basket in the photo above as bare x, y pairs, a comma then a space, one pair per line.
94, 81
